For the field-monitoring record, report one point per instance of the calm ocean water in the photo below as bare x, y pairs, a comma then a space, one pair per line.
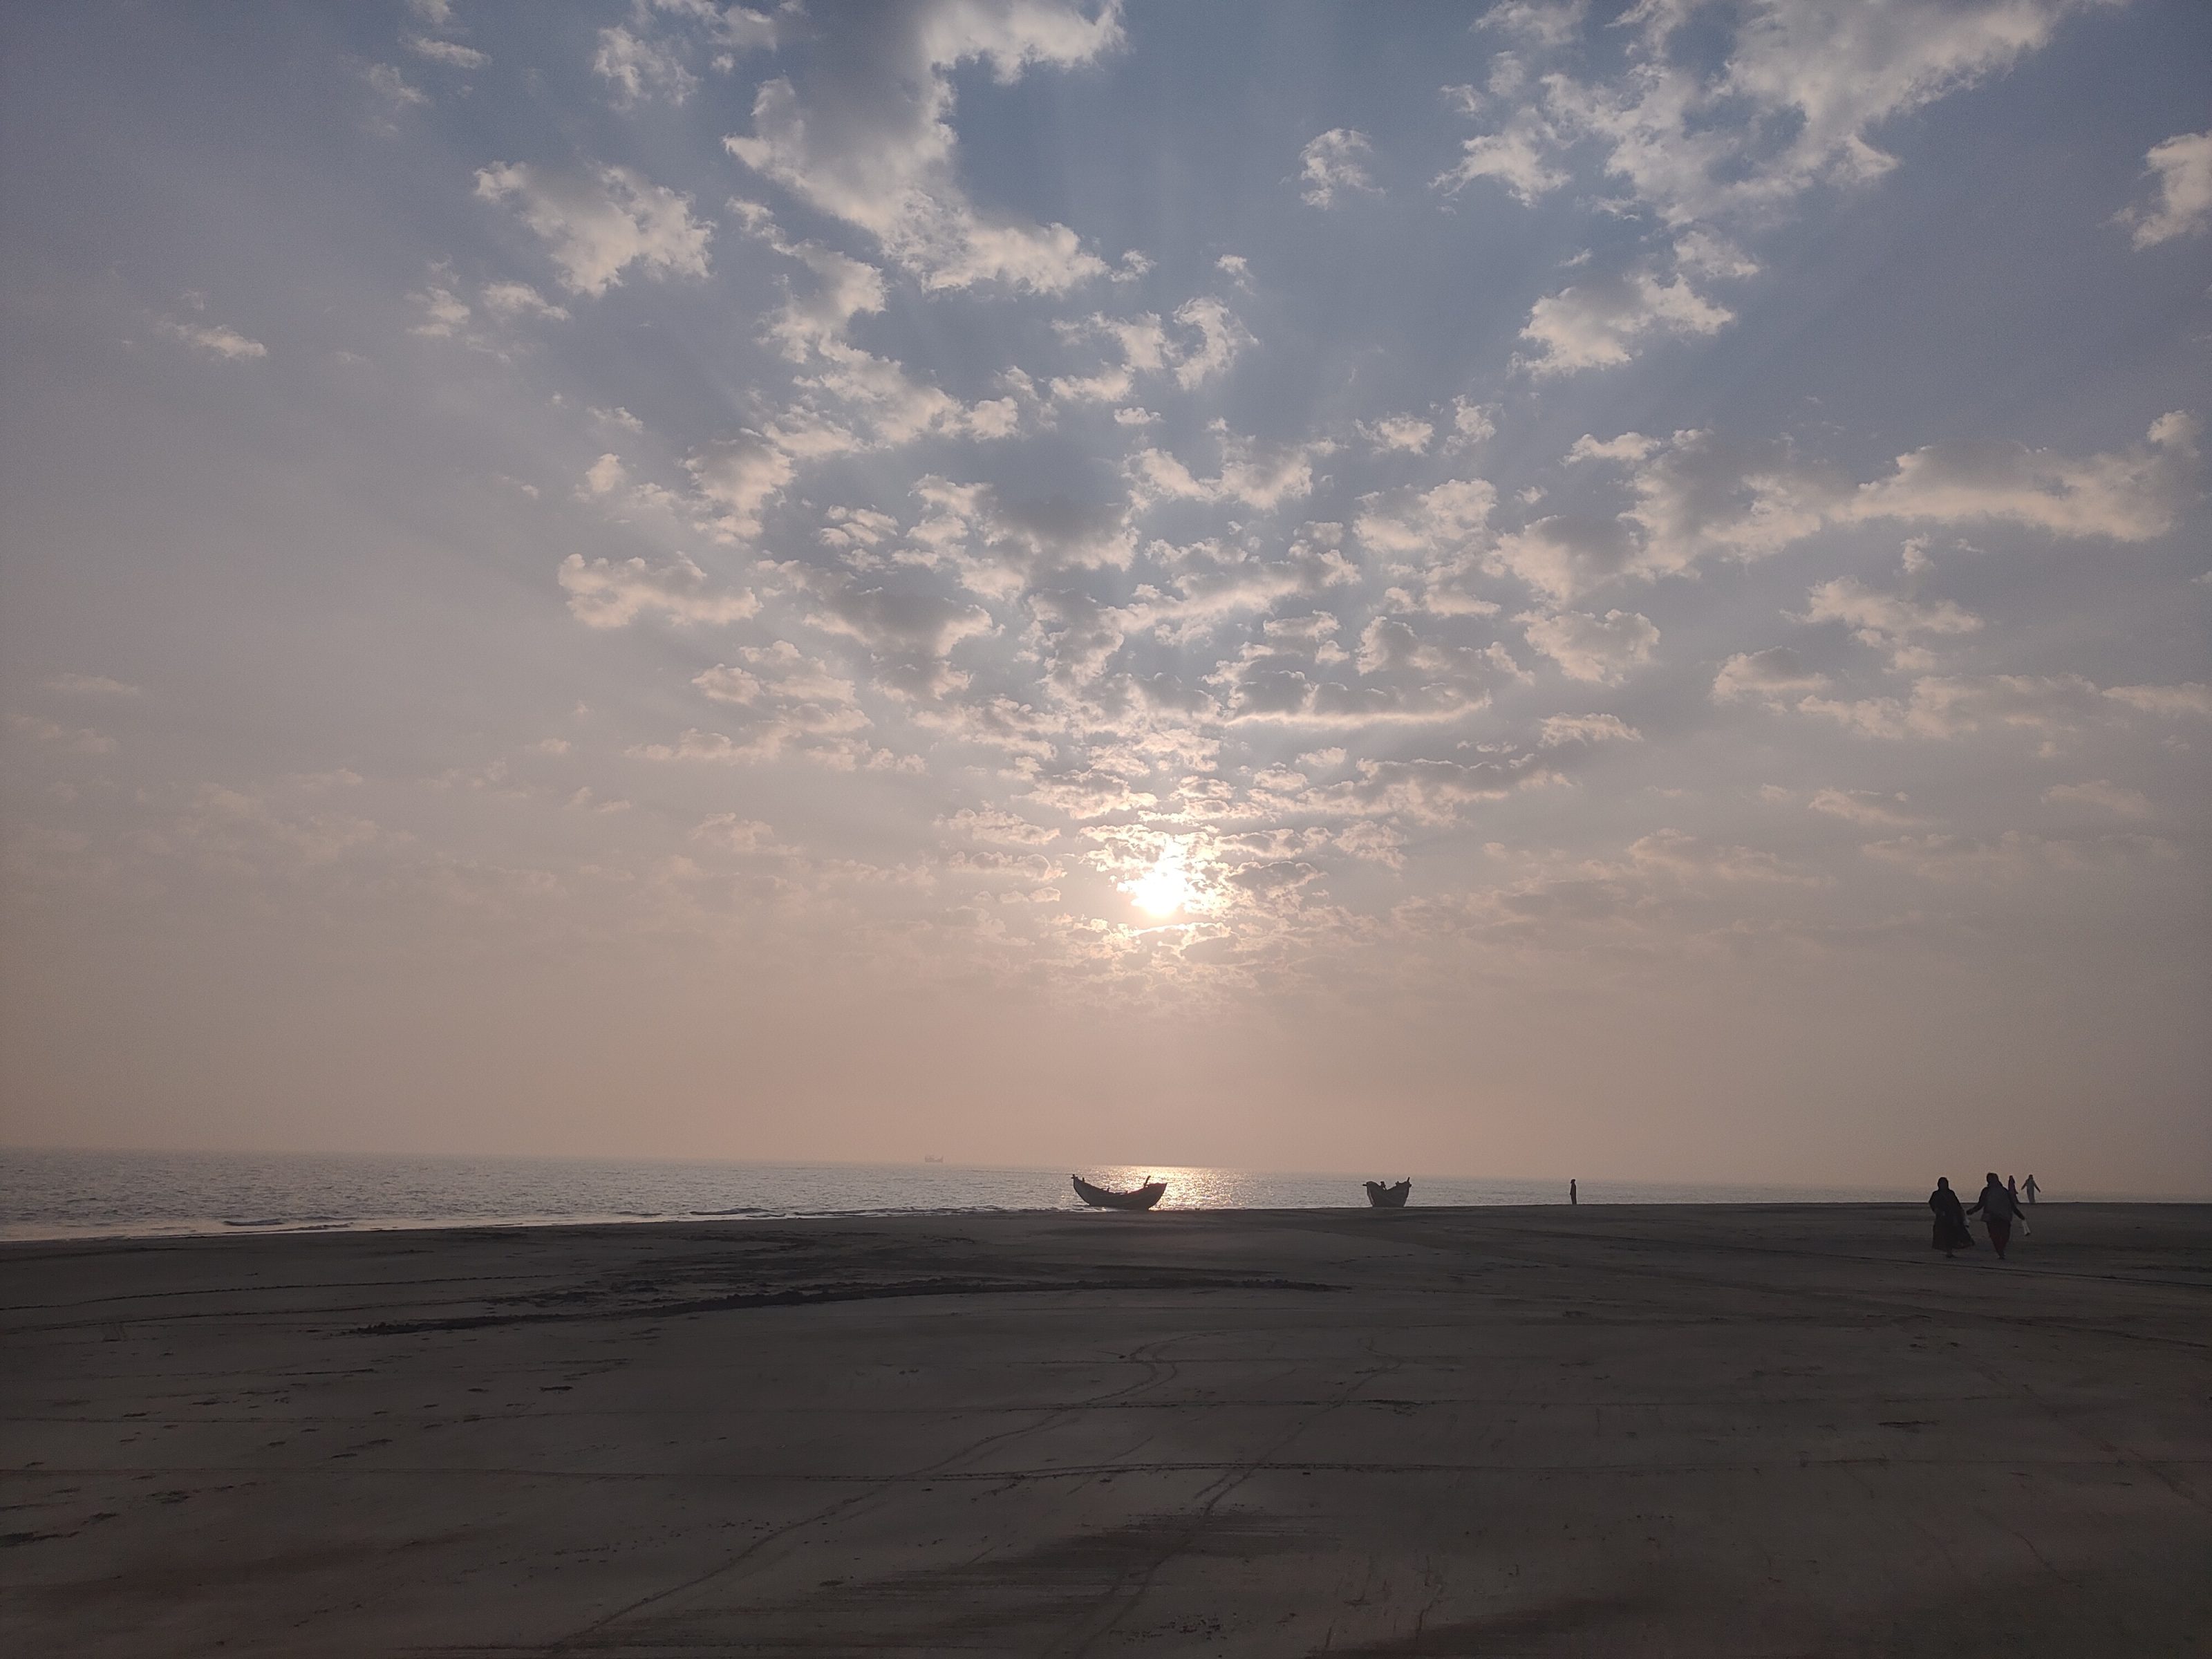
49, 1195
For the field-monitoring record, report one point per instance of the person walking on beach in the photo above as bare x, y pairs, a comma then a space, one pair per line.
2012, 1190
1951, 1234
1997, 1208
1572, 1196
2030, 1189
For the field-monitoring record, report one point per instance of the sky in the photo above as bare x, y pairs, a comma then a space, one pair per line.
1606, 589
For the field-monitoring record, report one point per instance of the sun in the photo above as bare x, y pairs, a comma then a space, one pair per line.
1165, 888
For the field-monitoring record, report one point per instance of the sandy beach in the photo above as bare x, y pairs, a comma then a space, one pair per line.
1641, 1431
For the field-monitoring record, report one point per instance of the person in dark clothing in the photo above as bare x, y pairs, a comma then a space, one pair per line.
1951, 1234
1997, 1208
2030, 1189
1572, 1196
2012, 1190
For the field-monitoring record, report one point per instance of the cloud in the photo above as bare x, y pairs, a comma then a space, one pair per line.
73, 740
866, 136
909, 635
1604, 320
1333, 164
1697, 495
1406, 434
511, 300
741, 476
1602, 649
1435, 537
2012, 856
1541, 22
789, 701
2103, 795
1212, 339
1878, 619
998, 544
2131, 496
390, 84
990, 824
1586, 728
1858, 806
2183, 167
642, 70
214, 340
2191, 698
1262, 475
1794, 100
1946, 706
1685, 857
451, 53
1515, 155
90, 685
1769, 676
602, 594
598, 224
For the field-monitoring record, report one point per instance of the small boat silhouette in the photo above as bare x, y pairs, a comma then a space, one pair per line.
1102, 1198
1389, 1198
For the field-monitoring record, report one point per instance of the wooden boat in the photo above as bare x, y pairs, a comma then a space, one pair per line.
1099, 1198
1389, 1198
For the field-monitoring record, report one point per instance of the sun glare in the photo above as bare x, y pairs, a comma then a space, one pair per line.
1165, 888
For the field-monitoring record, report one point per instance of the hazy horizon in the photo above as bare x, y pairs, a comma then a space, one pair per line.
1587, 586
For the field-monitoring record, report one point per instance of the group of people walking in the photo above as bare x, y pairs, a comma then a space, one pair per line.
1999, 1207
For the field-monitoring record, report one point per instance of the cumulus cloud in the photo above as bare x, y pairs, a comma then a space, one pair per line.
865, 135
787, 702
1586, 728
510, 299
596, 224
1603, 649
1435, 538
1697, 495
1860, 806
990, 824
213, 340
451, 53
2102, 793
1877, 619
2182, 168
737, 478
1406, 434
77, 740
641, 69
1206, 340
1938, 705
2191, 698
608, 593
1334, 165
1516, 156
2012, 856
1769, 676
390, 84
1600, 321
1793, 101
90, 685
1261, 476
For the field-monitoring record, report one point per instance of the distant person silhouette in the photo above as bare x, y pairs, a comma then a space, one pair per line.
1951, 1234
1573, 1197
1997, 1208
2030, 1189
2012, 1190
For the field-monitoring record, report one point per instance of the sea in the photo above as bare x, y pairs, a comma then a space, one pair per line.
47, 1195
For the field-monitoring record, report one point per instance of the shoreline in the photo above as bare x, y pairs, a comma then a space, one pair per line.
1671, 1429
222, 1228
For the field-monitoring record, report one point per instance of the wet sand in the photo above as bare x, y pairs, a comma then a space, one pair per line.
1609, 1431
